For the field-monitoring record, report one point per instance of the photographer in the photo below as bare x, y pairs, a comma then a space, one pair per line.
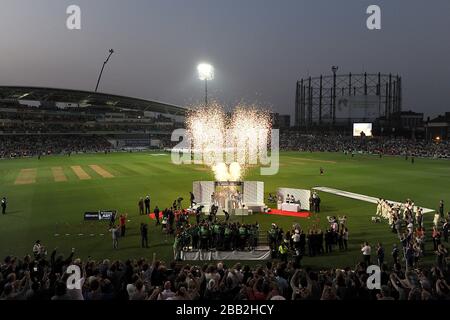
156, 212
192, 198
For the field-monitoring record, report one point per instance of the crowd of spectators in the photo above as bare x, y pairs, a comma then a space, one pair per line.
40, 278
26, 145
37, 145
76, 127
296, 141
22, 119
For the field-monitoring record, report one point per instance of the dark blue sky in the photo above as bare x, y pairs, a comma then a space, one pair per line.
258, 47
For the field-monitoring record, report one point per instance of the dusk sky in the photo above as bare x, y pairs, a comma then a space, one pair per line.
259, 48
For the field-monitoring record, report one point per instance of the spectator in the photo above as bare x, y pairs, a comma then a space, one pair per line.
144, 235
366, 252
167, 292
115, 233
122, 223
141, 206
61, 291
395, 253
380, 255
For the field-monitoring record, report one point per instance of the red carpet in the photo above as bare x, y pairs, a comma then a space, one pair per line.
302, 214
152, 215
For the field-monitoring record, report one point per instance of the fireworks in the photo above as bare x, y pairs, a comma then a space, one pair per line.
235, 171
250, 129
206, 127
222, 172
228, 143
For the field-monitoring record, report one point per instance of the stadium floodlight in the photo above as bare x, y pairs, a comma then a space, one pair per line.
334, 69
205, 73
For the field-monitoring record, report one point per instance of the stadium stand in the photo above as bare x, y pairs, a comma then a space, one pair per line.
34, 145
296, 141
95, 122
84, 122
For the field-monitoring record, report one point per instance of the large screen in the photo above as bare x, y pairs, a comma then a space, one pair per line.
360, 128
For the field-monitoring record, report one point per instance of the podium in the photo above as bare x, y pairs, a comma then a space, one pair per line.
291, 207
252, 195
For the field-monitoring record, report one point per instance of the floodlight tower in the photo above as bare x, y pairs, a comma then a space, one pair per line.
205, 73
334, 69
111, 51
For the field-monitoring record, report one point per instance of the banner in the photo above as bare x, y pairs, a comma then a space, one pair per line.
99, 215
106, 214
91, 215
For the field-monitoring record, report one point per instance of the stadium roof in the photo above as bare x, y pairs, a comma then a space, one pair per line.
442, 118
86, 98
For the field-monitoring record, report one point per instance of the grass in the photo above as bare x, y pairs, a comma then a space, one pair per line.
46, 208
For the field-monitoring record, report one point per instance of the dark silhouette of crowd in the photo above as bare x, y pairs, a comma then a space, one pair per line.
41, 278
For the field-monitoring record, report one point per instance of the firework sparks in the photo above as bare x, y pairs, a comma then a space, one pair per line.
235, 171
206, 127
228, 143
250, 128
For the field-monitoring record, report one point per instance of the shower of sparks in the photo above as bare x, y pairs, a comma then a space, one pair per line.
228, 143
206, 127
223, 172
251, 131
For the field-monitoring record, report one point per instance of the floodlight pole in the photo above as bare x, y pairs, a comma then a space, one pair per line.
334, 69
111, 51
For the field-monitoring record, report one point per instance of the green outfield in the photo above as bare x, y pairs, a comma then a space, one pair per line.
47, 198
